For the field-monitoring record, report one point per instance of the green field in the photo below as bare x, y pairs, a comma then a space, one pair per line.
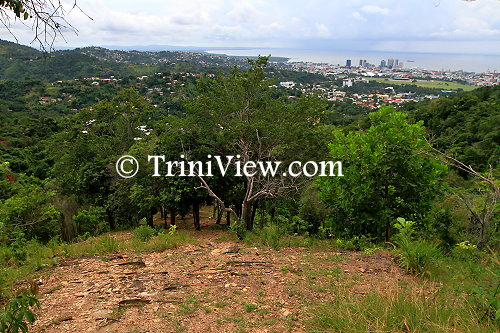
446, 85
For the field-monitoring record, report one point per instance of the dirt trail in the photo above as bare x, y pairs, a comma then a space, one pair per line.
216, 285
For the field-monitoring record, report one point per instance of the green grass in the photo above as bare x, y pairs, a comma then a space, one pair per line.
445, 85
419, 257
189, 306
399, 310
250, 307
220, 304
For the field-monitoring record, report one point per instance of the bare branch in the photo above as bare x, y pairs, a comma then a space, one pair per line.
450, 160
48, 19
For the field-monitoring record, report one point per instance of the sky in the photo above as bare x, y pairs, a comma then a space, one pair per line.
451, 26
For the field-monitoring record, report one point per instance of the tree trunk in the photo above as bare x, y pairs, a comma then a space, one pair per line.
239, 212
164, 216
247, 215
149, 217
388, 221
111, 220
254, 211
68, 208
219, 214
196, 215
172, 217
388, 231
228, 218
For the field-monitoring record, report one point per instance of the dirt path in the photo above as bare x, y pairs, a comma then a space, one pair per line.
217, 285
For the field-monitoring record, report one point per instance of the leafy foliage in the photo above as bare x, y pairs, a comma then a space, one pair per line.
386, 175
18, 314
465, 125
144, 233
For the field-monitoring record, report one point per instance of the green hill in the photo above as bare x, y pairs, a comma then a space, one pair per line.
466, 125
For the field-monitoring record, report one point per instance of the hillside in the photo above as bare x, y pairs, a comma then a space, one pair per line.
210, 282
19, 62
465, 125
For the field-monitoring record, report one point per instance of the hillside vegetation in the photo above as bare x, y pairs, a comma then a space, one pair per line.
413, 238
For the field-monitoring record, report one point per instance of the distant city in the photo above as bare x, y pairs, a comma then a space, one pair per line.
394, 69
390, 63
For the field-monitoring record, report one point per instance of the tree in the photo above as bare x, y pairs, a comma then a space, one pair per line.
385, 176
480, 200
236, 114
47, 18
86, 151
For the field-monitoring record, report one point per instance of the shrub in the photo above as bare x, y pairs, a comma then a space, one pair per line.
17, 314
416, 256
92, 221
144, 233
108, 244
299, 226
267, 236
419, 256
466, 251
355, 243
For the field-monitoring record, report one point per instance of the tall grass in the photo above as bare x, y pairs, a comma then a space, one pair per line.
397, 310
419, 257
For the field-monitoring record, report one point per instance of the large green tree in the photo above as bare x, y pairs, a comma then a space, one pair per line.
386, 175
237, 114
93, 139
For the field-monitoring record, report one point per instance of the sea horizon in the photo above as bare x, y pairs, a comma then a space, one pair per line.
431, 61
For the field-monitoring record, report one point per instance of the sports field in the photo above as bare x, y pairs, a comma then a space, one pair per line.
445, 85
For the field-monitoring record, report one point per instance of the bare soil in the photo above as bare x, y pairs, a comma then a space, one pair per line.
215, 285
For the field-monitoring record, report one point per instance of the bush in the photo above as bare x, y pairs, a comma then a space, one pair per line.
299, 226
419, 256
144, 233
355, 243
17, 314
268, 236
416, 256
31, 210
311, 209
466, 251
92, 221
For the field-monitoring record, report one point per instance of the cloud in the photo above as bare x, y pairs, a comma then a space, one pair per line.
358, 16
323, 30
244, 12
186, 20
371, 9
279, 22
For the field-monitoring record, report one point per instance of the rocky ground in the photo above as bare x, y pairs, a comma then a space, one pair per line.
215, 284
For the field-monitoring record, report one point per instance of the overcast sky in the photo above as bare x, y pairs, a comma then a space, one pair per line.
388, 25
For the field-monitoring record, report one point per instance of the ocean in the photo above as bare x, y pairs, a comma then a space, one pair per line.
433, 61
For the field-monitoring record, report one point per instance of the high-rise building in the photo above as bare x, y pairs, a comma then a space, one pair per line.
348, 63
360, 62
396, 63
383, 63
390, 63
